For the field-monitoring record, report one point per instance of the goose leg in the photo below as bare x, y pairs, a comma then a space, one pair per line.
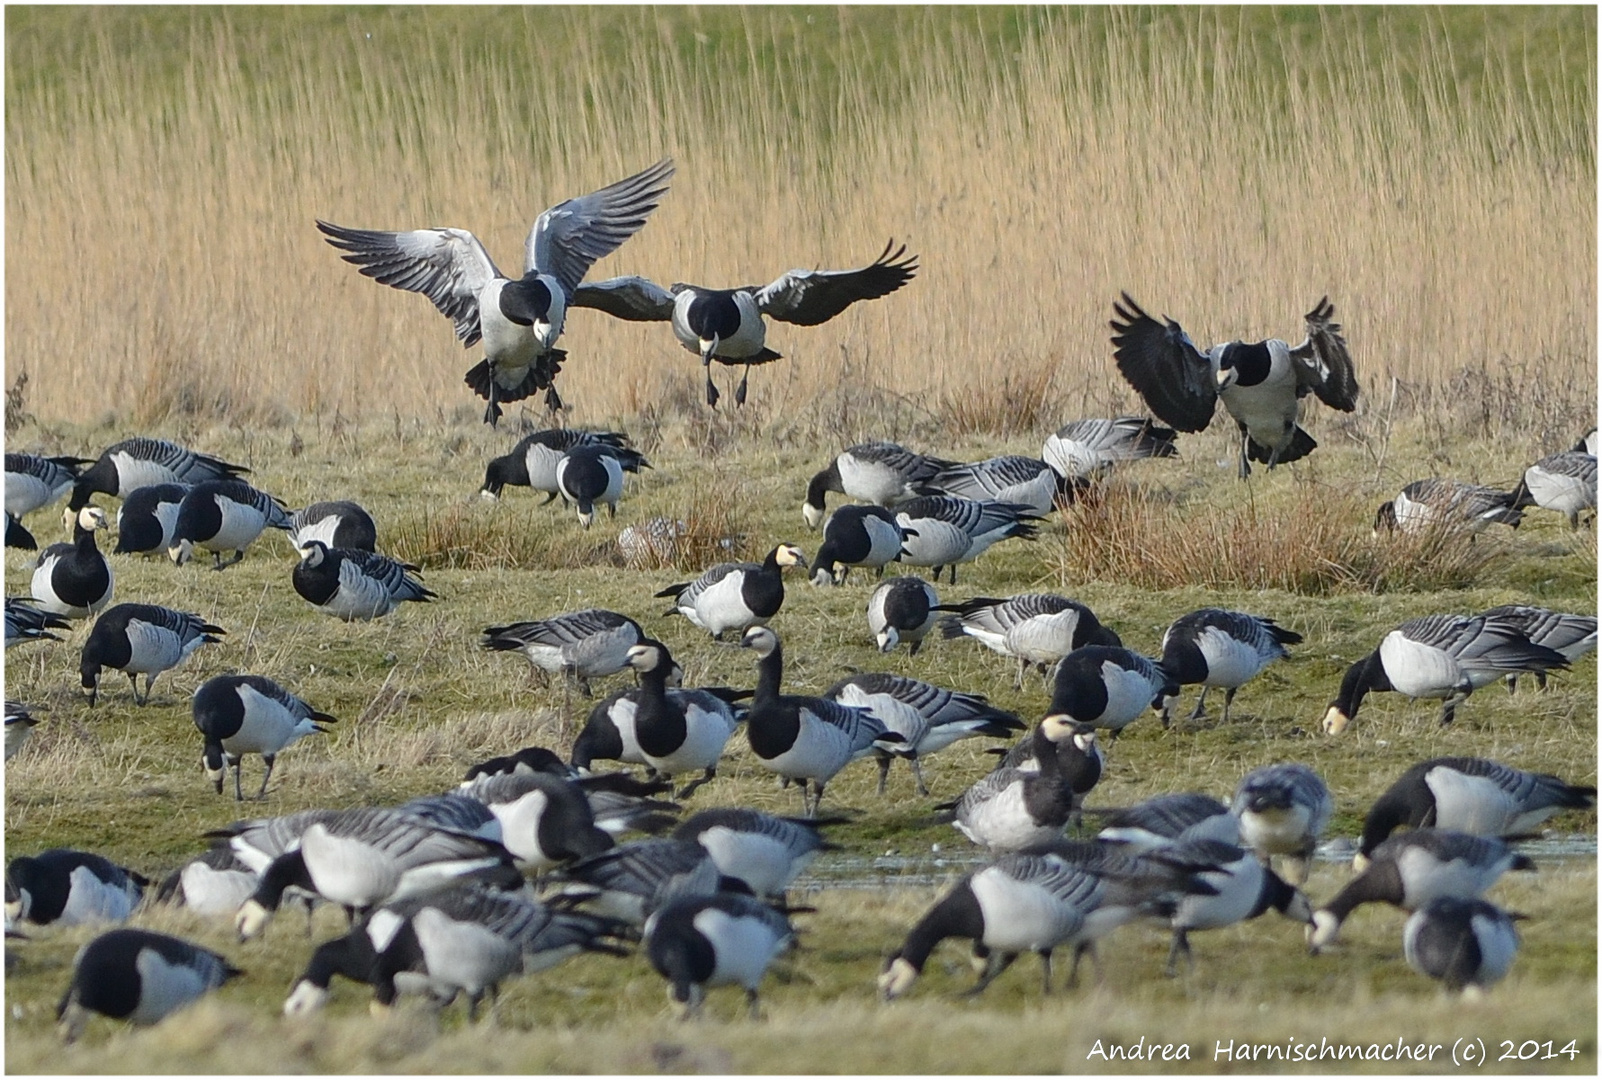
884, 769
1229, 698
1180, 946
268, 758
739, 391
712, 394
917, 773
752, 1002
133, 680
1245, 466
689, 789
1045, 971
239, 794
999, 962
1200, 710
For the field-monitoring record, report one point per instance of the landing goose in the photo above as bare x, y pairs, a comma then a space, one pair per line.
1441, 656
735, 596
141, 639
866, 536
135, 463
18, 537
1283, 809
62, 887
148, 519
942, 531
587, 475
1163, 819
1245, 888
1562, 482
727, 325
27, 622
352, 584
1572, 636
883, 473
720, 940
223, 515
1215, 647
1011, 478
631, 881
532, 462
249, 714
518, 320
762, 850
1036, 629
20, 723
1466, 945
1437, 503
337, 524
1106, 686
580, 645
75, 580
902, 609
1013, 808
34, 481
1261, 384
1088, 448
139, 976
674, 739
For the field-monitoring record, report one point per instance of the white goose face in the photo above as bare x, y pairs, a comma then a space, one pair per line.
1335, 721
313, 552
889, 638
251, 919
790, 555
91, 518
1060, 727
645, 657
1322, 930
760, 640
812, 515
181, 552
897, 978
305, 998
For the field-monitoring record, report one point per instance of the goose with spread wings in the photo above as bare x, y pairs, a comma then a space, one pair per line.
1260, 383
517, 319
727, 325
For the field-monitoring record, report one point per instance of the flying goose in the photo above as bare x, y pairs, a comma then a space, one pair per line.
338, 524
532, 462
75, 580
25, 621
223, 515
1433, 503
20, 723
139, 976
1571, 635
34, 481
1107, 686
1036, 629
518, 320
883, 473
727, 325
148, 518
63, 887
587, 475
1088, 448
249, 714
762, 850
942, 530
580, 645
140, 462
1260, 384
902, 609
141, 639
1011, 478
1283, 809
719, 940
735, 596
1215, 647
856, 536
674, 739
1465, 944
354, 584
1562, 482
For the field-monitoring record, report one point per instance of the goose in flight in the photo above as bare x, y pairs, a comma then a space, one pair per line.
518, 320
727, 325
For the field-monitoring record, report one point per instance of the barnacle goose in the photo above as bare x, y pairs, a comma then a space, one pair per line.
1562, 482
545, 820
75, 579
19, 537
223, 515
1215, 647
674, 739
762, 850
249, 714
1413, 868
587, 475
1163, 819
1087, 448
518, 320
735, 596
532, 462
884, 473
1107, 686
805, 738
631, 881
856, 536
1080, 759
27, 622
70, 888
719, 940
581, 645
135, 463
139, 976
148, 518
1465, 944
1033, 628
1246, 888
338, 524
942, 531
927, 716
1441, 656
1283, 809
1470, 795
34, 481
20, 723
1013, 808
213, 883
727, 325
351, 584
1010, 478
1586, 444
608, 733
902, 609
141, 639
1571, 635
1432, 503
653, 544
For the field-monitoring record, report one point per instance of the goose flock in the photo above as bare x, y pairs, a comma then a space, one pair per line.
538, 854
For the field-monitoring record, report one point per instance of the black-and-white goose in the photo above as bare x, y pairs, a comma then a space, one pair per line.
631, 881
1586, 444
580, 645
1438, 503
518, 320
351, 584
148, 519
1080, 759
1470, 795
608, 733
140, 462
339, 523
139, 976
883, 473
928, 717
806, 739
1261, 384
735, 596
853, 536
1106, 686
762, 850
587, 475
1283, 809
674, 739
1244, 889
1010, 478
1032, 628
942, 531
249, 714
1088, 448
1464, 944
34, 481
720, 940
532, 462
1441, 656
141, 639
1571, 635
213, 884
63, 887
1413, 868
1215, 647
75, 579
545, 820
1163, 819
20, 723
727, 325
26, 621
902, 609
1562, 482
19, 537
223, 515
1013, 808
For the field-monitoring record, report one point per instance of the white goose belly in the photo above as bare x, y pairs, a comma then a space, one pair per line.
743, 948
1238, 883
163, 987
1424, 877
1418, 670
721, 607
938, 543
870, 480
463, 954
1043, 639
1478, 806
1557, 491
154, 649
240, 525
1129, 693
346, 870
90, 900
820, 750
704, 738
1022, 917
359, 596
763, 862
1230, 661
1276, 831
1003, 822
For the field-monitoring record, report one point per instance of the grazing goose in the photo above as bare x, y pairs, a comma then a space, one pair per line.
1011, 478
20, 723
764, 851
672, 738
1413, 868
1163, 819
142, 639
631, 881
1014, 808
518, 320
249, 714
1283, 809
69, 888
135, 463
720, 940
545, 820
213, 884
1562, 482
352, 584
1260, 384
139, 976
532, 462
581, 645
338, 524
26, 622
727, 325
1215, 647
587, 475
148, 519
1432, 503
1467, 945
1441, 656
75, 580
1586, 444
1469, 795
883, 473
1571, 635
735, 596
1033, 628
856, 536
19, 537
902, 609
1245, 888
223, 515
805, 738
1106, 686
1088, 448
927, 717
942, 531
34, 481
